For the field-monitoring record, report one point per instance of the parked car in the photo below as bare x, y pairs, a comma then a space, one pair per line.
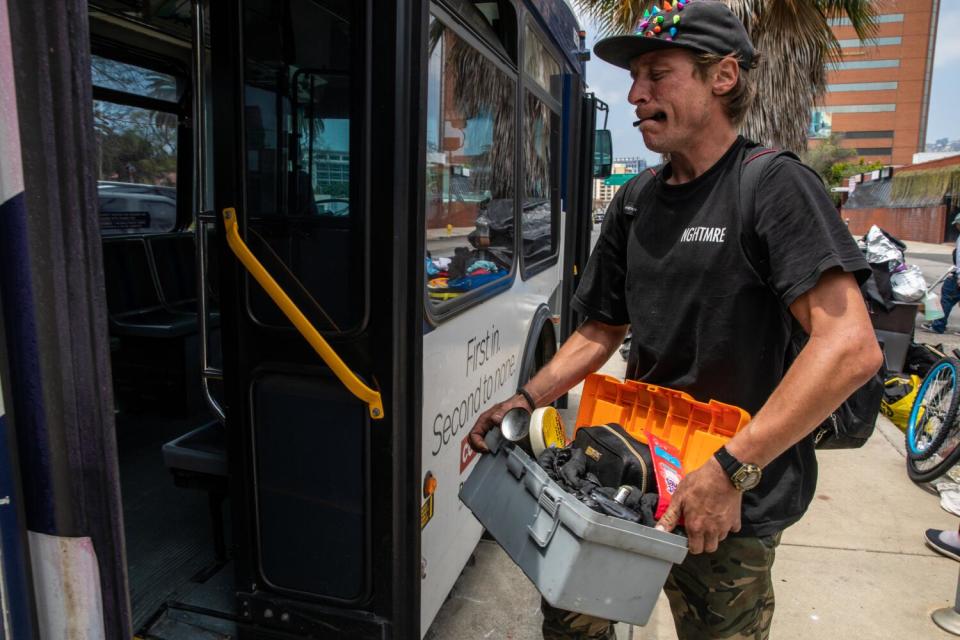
127, 208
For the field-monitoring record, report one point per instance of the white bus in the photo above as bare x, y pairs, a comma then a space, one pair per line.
263, 264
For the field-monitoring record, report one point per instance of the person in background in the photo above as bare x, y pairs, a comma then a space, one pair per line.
949, 291
946, 543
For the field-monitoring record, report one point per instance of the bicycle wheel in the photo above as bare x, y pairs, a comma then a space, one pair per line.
933, 434
934, 410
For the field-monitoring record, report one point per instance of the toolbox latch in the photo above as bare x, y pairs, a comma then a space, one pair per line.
547, 518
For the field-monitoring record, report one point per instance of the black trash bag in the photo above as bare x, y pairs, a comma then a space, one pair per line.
877, 289
921, 357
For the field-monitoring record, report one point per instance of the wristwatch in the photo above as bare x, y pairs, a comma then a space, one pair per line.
744, 476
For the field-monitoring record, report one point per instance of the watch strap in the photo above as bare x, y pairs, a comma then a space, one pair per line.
526, 396
727, 461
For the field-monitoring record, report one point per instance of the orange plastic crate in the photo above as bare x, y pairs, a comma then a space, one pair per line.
697, 429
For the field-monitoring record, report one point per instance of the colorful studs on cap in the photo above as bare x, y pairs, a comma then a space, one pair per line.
668, 39
655, 10
659, 19
646, 14
649, 34
666, 5
673, 31
680, 6
656, 29
676, 19
644, 25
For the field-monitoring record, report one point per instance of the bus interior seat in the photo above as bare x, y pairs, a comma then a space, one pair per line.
133, 298
198, 460
157, 359
174, 259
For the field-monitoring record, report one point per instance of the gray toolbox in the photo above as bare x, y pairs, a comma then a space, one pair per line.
579, 559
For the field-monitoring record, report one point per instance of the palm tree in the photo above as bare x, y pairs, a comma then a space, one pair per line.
795, 42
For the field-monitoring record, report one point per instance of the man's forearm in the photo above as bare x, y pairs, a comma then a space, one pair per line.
825, 373
840, 356
584, 352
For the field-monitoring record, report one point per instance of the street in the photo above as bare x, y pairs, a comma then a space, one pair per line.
855, 567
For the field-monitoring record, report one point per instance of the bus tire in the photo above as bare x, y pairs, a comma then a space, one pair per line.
540, 347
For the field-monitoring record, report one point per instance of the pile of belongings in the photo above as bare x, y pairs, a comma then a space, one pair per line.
899, 392
608, 470
892, 280
465, 271
536, 232
921, 358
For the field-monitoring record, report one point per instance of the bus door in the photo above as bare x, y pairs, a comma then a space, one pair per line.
592, 161
319, 350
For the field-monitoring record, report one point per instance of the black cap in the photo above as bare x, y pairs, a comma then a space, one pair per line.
703, 26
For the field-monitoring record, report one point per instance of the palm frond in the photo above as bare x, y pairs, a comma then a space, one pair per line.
613, 17
480, 90
795, 41
861, 13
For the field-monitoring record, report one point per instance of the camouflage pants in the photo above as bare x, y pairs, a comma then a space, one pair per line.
567, 625
725, 594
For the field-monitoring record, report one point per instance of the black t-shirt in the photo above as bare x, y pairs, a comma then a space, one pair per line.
671, 264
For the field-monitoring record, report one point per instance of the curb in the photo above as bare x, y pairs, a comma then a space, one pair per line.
892, 434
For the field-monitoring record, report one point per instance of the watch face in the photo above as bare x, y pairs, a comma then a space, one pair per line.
747, 477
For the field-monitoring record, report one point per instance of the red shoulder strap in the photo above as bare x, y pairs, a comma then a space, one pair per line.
760, 154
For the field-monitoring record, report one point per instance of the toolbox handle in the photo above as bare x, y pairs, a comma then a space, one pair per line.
551, 505
515, 467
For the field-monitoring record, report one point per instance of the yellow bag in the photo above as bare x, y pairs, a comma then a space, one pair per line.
899, 392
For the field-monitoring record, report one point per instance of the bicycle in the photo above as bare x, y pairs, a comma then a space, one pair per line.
933, 432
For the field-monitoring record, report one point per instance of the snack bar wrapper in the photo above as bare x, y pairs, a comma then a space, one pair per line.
667, 469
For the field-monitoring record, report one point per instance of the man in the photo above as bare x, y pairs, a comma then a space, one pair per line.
670, 264
949, 291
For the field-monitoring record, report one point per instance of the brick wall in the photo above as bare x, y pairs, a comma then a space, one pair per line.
920, 224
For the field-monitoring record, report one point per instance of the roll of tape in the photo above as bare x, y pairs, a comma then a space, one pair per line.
546, 430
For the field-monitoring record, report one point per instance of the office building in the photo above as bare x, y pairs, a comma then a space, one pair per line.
878, 95
628, 165
605, 188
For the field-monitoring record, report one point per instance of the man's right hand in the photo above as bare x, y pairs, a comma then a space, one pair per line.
491, 418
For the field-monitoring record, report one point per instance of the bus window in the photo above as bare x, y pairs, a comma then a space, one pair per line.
540, 65
301, 100
136, 148
323, 151
540, 218
128, 78
470, 197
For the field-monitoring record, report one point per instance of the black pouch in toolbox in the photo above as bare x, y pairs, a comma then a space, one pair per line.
616, 457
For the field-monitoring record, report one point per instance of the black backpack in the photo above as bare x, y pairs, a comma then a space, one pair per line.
852, 423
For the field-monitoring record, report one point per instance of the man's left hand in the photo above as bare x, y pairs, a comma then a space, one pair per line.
709, 505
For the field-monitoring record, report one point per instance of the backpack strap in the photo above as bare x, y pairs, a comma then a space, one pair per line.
634, 189
631, 205
751, 171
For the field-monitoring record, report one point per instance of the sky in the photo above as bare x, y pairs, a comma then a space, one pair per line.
611, 85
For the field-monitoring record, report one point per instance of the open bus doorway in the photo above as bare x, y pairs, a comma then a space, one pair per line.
327, 162
171, 444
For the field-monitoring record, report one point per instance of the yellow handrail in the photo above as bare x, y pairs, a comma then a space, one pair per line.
306, 329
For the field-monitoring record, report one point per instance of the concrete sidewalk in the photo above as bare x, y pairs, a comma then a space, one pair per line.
855, 567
